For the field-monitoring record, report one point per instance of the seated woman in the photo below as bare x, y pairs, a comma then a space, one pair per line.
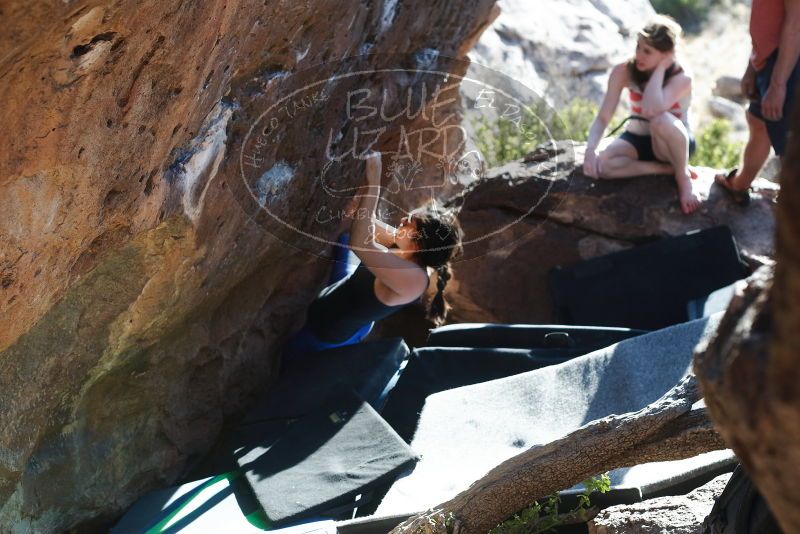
657, 138
395, 269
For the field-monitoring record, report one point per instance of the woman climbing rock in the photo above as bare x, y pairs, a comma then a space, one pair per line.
395, 270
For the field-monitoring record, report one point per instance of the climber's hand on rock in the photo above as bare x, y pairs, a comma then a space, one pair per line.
373, 168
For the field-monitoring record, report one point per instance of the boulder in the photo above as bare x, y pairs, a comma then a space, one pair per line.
562, 49
678, 514
531, 215
729, 87
160, 192
722, 108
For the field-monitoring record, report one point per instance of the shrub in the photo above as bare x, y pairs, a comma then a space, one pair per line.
715, 148
577, 118
539, 518
501, 140
689, 13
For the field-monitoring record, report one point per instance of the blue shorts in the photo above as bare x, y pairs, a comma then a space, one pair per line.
644, 145
778, 130
305, 341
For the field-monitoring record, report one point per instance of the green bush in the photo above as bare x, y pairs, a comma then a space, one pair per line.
715, 148
577, 118
689, 13
543, 517
501, 140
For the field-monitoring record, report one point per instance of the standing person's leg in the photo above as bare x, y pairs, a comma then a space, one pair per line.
671, 143
763, 133
755, 154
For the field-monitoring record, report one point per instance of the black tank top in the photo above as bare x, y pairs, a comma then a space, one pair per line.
345, 306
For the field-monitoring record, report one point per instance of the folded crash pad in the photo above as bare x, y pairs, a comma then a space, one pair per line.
305, 382
581, 339
325, 460
648, 286
465, 432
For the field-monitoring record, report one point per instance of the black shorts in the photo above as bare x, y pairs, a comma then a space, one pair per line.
778, 130
644, 145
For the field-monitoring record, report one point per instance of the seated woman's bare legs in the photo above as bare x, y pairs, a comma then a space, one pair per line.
671, 143
620, 160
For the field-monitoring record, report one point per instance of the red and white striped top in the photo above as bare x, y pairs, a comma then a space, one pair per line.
680, 109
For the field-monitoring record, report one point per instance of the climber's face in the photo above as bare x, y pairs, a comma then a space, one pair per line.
647, 57
406, 237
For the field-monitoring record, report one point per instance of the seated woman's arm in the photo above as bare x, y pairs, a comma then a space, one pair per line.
616, 82
657, 97
402, 277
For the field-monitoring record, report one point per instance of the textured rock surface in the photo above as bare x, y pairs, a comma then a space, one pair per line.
681, 514
729, 87
140, 304
550, 214
726, 109
563, 49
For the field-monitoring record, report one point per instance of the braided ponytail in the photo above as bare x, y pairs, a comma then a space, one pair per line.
437, 310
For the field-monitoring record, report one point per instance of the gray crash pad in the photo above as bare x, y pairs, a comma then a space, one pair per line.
465, 432
325, 460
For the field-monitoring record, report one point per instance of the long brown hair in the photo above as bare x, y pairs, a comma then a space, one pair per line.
439, 239
662, 33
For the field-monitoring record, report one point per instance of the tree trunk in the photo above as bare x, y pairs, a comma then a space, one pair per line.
749, 371
668, 429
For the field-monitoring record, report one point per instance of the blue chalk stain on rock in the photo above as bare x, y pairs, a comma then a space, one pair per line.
272, 182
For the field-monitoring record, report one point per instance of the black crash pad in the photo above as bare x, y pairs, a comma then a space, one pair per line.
370, 369
325, 460
649, 286
581, 339
304, 382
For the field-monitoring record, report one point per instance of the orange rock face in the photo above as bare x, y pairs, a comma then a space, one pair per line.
141, 297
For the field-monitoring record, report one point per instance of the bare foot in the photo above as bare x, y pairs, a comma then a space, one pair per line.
688, 196
692, 173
